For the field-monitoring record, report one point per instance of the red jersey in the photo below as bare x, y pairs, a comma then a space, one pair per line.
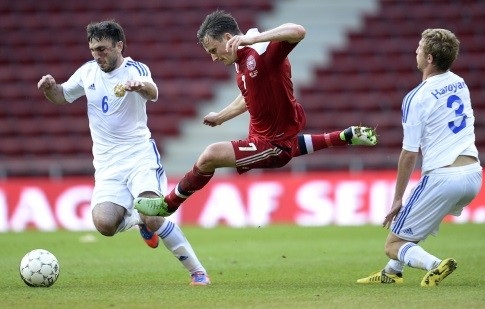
264, 78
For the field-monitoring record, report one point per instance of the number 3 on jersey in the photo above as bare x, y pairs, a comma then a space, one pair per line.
459, 107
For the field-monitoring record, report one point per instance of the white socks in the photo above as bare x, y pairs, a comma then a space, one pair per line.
415, 256
394, 267
175, 241
129, 222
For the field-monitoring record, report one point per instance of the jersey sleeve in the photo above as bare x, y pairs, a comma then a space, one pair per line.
412, 127
142, 73
278, 51
73, 88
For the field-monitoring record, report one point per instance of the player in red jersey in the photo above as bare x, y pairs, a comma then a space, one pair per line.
276, 118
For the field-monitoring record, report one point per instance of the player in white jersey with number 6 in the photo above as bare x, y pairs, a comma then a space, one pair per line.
126, 160
438, 120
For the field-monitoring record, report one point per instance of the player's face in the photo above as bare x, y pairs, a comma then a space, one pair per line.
421, 57
107, 56
217, 49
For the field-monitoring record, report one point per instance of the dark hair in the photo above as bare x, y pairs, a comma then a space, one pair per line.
108, 29
216, 24
443, 45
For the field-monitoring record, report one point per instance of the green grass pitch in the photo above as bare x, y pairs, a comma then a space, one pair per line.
267, 267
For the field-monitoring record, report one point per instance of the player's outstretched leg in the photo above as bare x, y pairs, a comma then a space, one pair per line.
358, 135
382, 277
151, 239
436, 275
152, 206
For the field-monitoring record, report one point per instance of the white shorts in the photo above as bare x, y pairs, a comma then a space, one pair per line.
441, 192
132, 173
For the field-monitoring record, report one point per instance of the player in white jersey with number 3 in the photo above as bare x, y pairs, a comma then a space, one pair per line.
438, 120
126, 160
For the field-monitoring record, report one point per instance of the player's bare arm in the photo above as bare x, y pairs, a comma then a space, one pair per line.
289, 32
405, 167
234, 109
146, 90
395, 208
52, 91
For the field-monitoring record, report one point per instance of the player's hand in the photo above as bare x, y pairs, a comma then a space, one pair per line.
134, 85
46, 82
396, 207
238, 40
212, 119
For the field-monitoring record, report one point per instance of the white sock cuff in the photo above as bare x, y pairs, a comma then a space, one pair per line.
394, 266
308, 143
401, 253
165, 229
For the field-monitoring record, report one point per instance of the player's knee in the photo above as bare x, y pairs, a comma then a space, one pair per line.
390, 250
105, 225
104, 228
207, 160
207, 155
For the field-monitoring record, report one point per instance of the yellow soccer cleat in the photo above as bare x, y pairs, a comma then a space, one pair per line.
382, 277
435, 275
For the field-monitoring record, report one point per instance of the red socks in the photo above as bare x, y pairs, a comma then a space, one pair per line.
326, 140
308, 143
192, 181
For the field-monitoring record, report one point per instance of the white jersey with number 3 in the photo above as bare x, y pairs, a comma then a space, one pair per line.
437, 118
116, 123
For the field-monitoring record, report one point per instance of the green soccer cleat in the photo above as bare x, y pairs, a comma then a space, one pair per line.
435, 275
359, 136
152, 206
382, 277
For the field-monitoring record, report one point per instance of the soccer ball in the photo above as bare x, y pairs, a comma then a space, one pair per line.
39, 268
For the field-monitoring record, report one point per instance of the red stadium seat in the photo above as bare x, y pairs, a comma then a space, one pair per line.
159, 33
364, 81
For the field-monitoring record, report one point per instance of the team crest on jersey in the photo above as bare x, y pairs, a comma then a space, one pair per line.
251, 63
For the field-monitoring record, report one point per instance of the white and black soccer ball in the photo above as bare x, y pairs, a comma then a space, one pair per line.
39, 268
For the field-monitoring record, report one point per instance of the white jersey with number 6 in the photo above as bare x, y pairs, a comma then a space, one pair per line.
116, 123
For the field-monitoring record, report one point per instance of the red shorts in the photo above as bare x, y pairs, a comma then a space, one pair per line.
256, 153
